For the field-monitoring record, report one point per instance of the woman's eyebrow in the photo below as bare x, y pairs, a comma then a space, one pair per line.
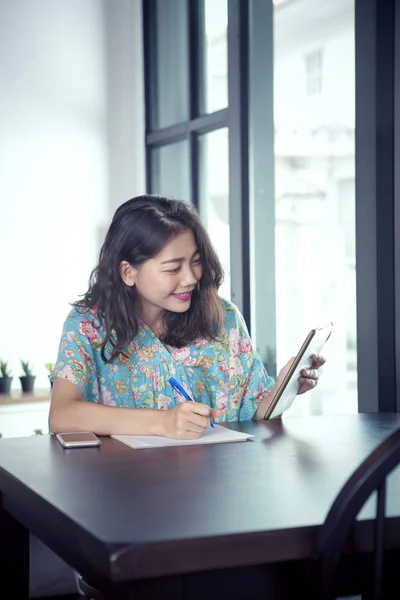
172, 260
181, 259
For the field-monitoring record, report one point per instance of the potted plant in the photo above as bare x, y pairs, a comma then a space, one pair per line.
5, 378
50, 367
27, 379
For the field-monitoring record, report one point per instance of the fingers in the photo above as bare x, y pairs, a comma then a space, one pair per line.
192, 428
306, 385
203, 410
318, 361
197, 420
190, 417
197, 407
308, 380
216, 413
310, 374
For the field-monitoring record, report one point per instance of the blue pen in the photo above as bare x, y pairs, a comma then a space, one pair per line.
182, 392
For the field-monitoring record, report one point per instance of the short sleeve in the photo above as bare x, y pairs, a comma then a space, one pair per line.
257, 382
75, 360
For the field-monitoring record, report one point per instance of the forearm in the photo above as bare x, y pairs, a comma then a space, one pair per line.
78, 415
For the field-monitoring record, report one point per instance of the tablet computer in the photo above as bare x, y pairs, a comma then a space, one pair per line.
289, 387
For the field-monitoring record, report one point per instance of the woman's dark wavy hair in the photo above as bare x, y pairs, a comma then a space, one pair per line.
139, 230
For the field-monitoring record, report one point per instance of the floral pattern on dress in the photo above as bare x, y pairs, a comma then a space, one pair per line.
226, 373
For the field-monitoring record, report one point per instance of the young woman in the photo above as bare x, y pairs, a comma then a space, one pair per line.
152, 311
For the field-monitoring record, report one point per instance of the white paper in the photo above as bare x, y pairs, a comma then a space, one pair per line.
218, 435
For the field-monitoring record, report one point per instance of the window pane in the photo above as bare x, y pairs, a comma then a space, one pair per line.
170, 171
214, 197
314, 99
171, 70
215, 77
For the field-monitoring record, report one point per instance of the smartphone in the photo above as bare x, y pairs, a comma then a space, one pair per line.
288, 390
84, 439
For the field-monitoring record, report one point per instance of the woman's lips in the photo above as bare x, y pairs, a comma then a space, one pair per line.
183, 297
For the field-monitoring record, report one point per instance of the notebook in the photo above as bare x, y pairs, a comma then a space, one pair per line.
218, 435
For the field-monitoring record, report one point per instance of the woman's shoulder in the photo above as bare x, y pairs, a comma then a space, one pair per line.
84, 321
81, 313
231, 312
233, 319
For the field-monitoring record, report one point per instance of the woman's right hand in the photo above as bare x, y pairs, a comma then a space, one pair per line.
188, 420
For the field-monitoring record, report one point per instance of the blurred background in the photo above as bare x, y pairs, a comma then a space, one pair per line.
246, 109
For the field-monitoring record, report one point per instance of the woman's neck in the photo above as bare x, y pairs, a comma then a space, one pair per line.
154, 319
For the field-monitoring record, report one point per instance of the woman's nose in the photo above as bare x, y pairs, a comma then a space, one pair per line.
188, 277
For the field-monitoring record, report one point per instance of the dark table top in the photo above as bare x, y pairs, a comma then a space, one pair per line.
131, 514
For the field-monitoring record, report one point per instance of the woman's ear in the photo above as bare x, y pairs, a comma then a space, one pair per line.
128, 273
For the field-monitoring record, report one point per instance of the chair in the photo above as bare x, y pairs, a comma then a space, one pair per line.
87, 591
370, 476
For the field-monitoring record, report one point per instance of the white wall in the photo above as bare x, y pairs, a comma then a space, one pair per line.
71, 150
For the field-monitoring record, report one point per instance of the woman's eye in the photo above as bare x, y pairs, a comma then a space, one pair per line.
173, 271
196, 261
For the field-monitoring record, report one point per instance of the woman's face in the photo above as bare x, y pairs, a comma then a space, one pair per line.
166, 282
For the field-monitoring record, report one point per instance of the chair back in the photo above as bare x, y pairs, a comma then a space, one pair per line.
369, 477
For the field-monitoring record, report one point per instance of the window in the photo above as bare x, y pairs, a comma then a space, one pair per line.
272, 173
313, 67
171, 59
216, 55
214, 197
315, 261
170, 170
187, 122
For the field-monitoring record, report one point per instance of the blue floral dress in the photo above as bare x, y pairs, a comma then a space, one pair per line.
225, 374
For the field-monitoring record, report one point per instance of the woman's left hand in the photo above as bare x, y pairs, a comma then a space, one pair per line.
309, 377
307, 381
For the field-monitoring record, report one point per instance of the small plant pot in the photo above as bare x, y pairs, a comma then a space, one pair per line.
5, 385
27, 383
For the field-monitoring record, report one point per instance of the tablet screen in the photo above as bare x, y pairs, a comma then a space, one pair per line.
288, 390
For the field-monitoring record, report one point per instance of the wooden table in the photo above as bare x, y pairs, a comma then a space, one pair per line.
119, 515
